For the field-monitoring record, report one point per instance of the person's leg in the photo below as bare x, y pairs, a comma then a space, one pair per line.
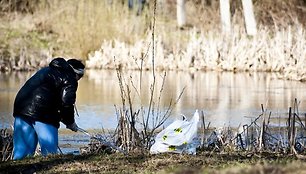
47, 137
24, 139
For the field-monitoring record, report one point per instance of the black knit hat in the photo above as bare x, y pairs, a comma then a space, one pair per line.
77, 66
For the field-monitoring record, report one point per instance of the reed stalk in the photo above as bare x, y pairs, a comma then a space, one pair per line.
140, 125
6, 145
280, 51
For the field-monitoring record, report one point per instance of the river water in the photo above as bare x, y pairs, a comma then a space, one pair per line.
226, 98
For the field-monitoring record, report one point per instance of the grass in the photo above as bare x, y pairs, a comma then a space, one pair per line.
203, 162
98, 31
83, 25
227, 156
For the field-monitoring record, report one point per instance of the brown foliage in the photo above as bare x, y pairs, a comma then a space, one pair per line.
6, 145
23, 6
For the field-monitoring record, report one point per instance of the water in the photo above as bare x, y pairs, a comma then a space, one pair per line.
226, 98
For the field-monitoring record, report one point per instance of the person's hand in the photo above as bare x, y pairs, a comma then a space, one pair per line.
74, 127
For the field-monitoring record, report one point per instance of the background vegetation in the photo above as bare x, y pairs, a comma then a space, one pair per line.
33, 31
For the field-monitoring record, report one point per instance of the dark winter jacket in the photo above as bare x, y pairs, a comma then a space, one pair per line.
49, 95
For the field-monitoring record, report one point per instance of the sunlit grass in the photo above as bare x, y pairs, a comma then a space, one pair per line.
83, 25
163, 163
79, 28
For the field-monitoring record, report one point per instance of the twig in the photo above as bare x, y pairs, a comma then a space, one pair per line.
203, 126
262, 133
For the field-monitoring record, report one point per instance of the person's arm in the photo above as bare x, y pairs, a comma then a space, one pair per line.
67, 109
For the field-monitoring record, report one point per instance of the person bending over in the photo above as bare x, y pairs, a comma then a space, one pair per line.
45, 100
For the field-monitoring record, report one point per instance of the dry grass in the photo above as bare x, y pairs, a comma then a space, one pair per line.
6, 144
281, 51
220, 154
78, 28
164, 163
83, 25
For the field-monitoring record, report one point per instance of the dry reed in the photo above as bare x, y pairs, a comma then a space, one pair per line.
81, 27
6, 145
258, 136
282, 51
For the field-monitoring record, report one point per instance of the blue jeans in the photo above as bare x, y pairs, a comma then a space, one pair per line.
28, 133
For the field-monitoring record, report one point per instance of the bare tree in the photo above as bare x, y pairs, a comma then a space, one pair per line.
249, 18
225, 16
181, 13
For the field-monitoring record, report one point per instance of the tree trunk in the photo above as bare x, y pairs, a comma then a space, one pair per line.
225, 16
181, 13
250, 22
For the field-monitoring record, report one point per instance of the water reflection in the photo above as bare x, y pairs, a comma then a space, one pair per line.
9, 85
226, 98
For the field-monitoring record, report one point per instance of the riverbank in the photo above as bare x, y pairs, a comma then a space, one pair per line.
30, 40
259, 147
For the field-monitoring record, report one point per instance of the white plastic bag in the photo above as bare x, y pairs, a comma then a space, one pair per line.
178, 137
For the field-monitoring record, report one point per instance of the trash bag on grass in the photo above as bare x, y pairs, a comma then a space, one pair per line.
178, 137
